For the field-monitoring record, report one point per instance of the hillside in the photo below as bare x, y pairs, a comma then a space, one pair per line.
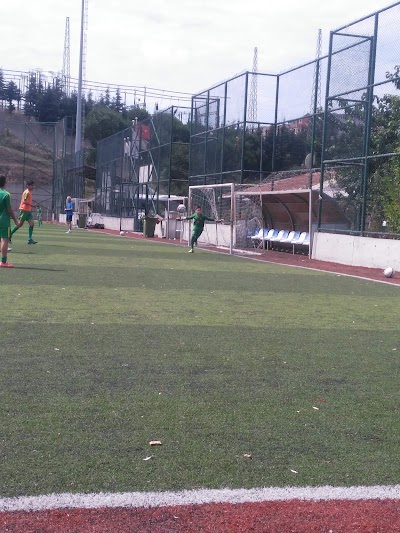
18, 162
26, 148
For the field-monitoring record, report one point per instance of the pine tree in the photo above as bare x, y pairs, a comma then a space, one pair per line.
107, 98
2, 89
12, 94
117, 103
32, 96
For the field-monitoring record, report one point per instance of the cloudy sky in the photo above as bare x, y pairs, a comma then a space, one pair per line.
181, 45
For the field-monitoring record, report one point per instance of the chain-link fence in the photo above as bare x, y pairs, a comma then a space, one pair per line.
256, 128
362, 134
140, 168
74, 172
262, 127
29, 151
256, 124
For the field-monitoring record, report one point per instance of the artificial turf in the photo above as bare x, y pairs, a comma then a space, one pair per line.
108, 343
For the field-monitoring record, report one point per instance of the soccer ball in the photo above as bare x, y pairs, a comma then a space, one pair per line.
122, 233
388, 272
181, 208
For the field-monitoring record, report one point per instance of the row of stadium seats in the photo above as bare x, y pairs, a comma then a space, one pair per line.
282, 240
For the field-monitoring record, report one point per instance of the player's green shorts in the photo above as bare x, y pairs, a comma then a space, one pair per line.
25, 215
5, 233
196, 232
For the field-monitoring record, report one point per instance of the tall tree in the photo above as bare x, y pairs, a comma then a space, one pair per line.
68, 105
103, 122
135, 111
2, 89
12, 94
50, 103
33, 96
117, 103
89, 103
107, 98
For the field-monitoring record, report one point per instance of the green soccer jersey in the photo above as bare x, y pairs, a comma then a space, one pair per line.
198, 221
5, 203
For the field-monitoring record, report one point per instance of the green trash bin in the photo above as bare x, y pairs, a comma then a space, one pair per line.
149, 226
82, 218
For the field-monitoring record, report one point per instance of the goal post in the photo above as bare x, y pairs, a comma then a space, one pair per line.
215, 201
239, 208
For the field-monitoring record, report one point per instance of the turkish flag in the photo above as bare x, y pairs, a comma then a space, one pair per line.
144, 131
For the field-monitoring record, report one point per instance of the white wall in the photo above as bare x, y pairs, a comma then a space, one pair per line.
216, 234
356, 251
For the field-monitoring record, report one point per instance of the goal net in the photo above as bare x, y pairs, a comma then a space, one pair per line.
239, 206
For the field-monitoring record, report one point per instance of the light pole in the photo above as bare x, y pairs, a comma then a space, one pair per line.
78, 134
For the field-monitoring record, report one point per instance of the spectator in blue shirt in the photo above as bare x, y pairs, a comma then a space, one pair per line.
69, 211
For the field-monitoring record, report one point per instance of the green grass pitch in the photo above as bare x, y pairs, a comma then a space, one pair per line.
108, 343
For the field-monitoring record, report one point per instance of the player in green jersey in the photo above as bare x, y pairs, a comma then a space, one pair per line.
198, 226
6, 214
39, 215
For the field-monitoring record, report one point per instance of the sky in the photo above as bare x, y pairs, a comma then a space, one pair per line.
179, 45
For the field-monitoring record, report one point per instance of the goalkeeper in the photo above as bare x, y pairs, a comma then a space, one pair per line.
198, 225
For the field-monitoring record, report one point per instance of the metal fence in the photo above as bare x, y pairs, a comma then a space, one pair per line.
241, 135
361, 122
45, 153
74, 173
267, 127
29, 150
139, 169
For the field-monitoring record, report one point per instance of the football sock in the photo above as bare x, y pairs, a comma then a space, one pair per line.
4, 260
30, 232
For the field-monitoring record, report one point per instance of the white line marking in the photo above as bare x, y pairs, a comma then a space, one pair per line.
196, 497
315, 269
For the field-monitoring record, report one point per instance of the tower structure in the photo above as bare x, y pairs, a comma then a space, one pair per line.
252, 110
66, 68
80, 109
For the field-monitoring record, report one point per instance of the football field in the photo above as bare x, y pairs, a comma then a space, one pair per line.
249, 374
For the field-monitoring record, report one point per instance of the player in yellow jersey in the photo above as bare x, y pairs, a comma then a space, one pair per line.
6, 213
25, 212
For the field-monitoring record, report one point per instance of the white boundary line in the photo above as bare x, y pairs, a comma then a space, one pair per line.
304, 267
196, 497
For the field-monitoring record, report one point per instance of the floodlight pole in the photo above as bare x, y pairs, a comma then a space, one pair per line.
78, 134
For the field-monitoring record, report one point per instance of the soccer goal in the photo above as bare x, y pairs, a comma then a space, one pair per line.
239, 208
